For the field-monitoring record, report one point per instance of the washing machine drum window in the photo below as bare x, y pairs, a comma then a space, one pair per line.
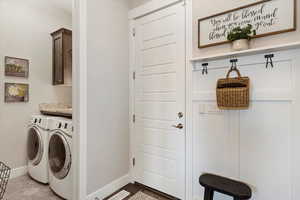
59, 156
35, 147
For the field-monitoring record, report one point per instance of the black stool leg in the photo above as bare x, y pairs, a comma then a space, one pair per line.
208, 194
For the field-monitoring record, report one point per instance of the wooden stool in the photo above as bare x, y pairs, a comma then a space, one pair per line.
236, 189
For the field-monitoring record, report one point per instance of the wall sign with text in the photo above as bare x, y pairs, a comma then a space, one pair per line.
268, 17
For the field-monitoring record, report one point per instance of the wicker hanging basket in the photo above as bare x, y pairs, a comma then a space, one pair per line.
233, 93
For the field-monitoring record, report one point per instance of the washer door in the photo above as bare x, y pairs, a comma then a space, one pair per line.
59, 156
35, 146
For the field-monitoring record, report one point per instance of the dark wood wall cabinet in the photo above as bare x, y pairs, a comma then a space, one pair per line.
62, 57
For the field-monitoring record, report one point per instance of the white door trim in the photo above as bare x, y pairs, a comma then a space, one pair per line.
79, 98
151, 6
189, 103
132, 69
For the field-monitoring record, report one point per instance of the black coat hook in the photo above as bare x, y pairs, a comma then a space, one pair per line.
233, 64
204, 68
269, 59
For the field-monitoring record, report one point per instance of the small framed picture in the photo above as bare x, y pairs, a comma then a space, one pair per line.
16, 92
17, 67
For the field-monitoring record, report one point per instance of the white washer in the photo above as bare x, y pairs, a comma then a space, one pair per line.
60, 157
37, 148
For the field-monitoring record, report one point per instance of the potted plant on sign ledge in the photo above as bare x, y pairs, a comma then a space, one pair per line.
240, 37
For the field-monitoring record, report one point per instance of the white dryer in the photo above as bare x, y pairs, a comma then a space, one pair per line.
37, 148
60, 157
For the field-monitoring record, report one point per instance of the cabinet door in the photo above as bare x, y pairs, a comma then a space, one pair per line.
58, 65
67, 56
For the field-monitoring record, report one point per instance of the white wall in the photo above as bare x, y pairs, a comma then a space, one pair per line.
108, 89
205, 8
136, 3
25, 33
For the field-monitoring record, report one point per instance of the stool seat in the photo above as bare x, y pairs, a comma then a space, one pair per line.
236, 189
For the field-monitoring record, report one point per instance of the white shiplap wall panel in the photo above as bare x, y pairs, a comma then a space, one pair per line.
259, 145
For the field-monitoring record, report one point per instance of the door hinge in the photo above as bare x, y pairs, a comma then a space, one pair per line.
133, 75
133, 162
133, 118
133, 32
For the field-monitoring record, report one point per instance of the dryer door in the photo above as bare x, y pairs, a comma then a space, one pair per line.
59, 155
35, 146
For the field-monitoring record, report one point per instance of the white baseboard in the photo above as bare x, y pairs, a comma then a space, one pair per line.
110, 188
17, 172
198, 198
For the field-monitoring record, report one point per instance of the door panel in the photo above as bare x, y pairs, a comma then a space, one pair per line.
158, 27
159, 138
159, 97
157, 110
58, 68
164, 54
164, 82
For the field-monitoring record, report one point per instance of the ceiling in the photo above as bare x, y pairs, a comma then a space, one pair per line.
64, 4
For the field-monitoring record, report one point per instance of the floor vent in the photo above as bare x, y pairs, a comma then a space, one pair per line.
120, 195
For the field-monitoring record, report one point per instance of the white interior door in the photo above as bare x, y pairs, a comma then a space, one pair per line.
159, 132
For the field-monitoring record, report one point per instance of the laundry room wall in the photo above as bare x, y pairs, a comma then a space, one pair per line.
25, 33
107, 94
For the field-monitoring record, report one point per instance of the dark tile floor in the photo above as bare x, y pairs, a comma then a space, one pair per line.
134, 188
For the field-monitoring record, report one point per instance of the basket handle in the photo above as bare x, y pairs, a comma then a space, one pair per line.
234, 70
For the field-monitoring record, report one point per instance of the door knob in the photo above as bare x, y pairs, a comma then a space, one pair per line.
179, 126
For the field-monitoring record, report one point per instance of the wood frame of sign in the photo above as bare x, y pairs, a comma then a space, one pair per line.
240, 8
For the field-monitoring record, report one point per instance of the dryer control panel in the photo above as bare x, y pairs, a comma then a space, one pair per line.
39, 120
65, 125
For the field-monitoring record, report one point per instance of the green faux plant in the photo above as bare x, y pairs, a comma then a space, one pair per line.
239, 33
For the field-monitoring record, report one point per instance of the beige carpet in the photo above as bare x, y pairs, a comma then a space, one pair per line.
142, 196
24, 188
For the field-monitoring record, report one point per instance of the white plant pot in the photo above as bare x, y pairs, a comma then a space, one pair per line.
239, 45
